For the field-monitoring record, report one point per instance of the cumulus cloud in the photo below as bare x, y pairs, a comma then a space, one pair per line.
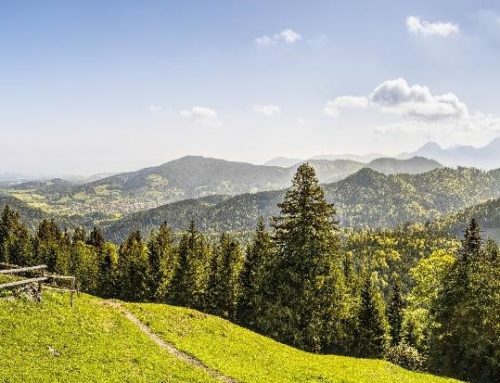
286, 36
400, 98
267, 110
396, 96
420, 27
202, 115
333, 107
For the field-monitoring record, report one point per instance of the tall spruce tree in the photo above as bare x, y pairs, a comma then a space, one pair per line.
190, 278
223, 286
133, 268
395, 311
162, 262
372, 335
15, 242
465, 343
253, 276
307, 297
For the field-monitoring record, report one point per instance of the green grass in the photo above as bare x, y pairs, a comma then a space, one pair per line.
53, 342
249, 357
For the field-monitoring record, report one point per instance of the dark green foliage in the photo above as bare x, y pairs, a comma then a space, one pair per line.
15, 245
133, 268
253, 276
465, 342
223, 288
395, 312
190, 278
372, 337
306, 272
162, 262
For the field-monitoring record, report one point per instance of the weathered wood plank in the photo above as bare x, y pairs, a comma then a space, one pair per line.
23, 269
22, 282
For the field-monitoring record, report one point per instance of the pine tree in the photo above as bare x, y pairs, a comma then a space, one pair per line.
96, 239
108, 269
79, 235
133, 266
253, 276
15, 242
307, 300
162, 262
465, 344
190, 278
372, 337
223, 286
395, 312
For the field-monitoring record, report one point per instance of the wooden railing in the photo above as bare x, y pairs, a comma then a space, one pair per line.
39, 280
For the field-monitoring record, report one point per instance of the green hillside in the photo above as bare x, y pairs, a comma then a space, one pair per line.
367, 198
249, 357
52, 342
185, 178
487, 215
94, 342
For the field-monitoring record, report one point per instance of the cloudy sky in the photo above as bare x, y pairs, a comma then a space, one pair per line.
95, 86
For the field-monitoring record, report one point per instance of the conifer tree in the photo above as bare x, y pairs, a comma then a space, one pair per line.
308, 295
190, 278
96, 239
372, 337
162, 262
253, 276
108, 269
395, 312
15, 244
223, 286
133, 268
465, 341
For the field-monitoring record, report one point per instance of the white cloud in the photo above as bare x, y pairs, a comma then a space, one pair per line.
202, 115
333, 107
267, 110
396, 96
420, 27
286, 36
399, 98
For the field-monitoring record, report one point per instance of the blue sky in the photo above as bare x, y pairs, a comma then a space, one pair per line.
95, 86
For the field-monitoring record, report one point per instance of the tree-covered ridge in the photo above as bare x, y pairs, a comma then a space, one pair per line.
408, 295
185, 178
365, 199
487, 214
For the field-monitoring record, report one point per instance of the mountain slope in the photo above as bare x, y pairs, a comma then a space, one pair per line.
90, 342
487, 214
367, 198
94, 341
185, 178
252, 358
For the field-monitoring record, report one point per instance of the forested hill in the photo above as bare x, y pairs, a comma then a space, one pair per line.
185, 178
367, 198
487, 214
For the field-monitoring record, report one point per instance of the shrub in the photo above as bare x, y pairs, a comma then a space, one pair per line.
405, 356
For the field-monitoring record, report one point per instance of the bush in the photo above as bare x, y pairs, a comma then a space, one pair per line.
405, 356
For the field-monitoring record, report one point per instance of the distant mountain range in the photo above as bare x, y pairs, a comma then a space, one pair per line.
286, 162
364, 199
187, 178
486, 157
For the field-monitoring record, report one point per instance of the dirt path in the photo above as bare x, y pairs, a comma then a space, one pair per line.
182, 356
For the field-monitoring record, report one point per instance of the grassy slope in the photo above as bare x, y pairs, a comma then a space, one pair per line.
249, 357
95, 343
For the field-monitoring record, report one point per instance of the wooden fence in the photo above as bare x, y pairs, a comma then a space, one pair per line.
39, 280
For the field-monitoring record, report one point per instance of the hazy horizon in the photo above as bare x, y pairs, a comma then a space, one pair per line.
92, 87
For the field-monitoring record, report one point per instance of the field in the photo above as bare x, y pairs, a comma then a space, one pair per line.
94, 342
249, 357
90, 342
